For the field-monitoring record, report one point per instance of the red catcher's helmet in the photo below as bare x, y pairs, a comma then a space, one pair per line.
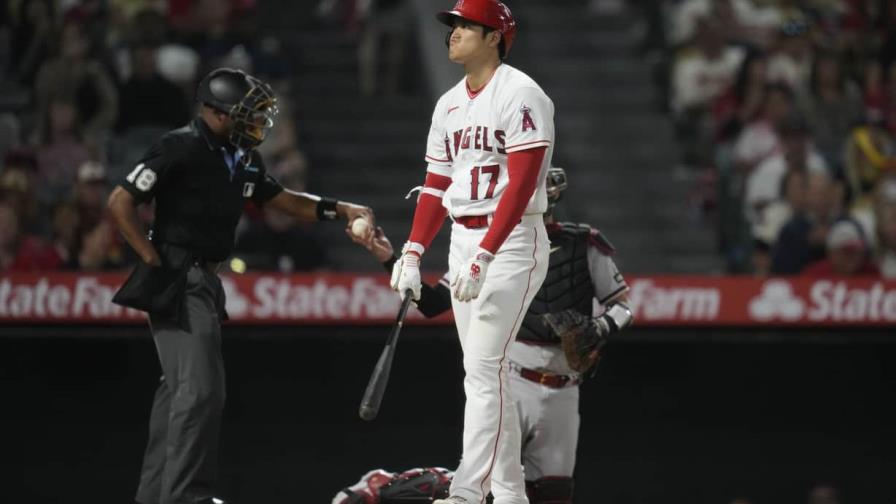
491, 13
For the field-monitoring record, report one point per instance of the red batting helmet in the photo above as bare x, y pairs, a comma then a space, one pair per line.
491, 13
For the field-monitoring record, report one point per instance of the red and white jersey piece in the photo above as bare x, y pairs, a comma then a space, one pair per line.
472, 133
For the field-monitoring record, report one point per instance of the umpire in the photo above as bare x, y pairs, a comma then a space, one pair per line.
200, 177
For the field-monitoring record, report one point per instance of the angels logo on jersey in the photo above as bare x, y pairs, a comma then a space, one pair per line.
528, 123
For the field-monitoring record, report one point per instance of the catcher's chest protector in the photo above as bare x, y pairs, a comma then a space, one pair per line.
567, 285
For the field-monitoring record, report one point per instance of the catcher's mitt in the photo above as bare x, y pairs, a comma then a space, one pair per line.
580, 338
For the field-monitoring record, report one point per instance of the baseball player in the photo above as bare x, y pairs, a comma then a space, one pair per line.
557, 345
489, 148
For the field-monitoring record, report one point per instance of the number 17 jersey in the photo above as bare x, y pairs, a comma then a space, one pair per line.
472, 134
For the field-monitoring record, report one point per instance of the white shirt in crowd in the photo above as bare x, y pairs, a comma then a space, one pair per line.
757, 141
697, 80
764, 183
687, 13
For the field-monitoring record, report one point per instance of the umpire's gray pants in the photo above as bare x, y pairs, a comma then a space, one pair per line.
181, 459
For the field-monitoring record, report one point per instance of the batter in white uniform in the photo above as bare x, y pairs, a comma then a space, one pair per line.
581, 272
488, 152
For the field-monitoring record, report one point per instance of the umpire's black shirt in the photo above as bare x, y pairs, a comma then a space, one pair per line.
199, 189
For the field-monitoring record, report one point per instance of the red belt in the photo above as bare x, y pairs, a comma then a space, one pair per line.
472, 221
549, 380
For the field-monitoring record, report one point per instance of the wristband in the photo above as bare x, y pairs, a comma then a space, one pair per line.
620, 315
326, 209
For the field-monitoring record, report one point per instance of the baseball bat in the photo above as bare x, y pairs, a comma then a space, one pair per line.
376, 387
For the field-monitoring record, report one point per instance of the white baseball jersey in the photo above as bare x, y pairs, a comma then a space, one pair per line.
471, 135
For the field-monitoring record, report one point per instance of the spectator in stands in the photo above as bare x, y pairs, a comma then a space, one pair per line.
281, 147
741, 102
20, 251
759, 139
99, 250
61, 151
142, 94
64, 244
847, 253
743, 20
832, 106
33, 33
76, 76
90, 193
870, 155
797, 153
17, 188
773, 217
704, 73
878, 95
802, 239
791, 60
699, 77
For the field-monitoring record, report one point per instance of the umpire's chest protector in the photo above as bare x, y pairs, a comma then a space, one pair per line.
567, 284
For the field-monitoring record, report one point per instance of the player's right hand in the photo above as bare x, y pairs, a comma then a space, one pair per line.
406, 274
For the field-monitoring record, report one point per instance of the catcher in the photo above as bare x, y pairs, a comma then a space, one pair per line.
558, 345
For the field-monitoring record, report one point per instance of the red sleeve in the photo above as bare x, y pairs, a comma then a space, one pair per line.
430, 214
522, 170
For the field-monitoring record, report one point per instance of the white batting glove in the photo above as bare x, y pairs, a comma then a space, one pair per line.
468, 282
406, 272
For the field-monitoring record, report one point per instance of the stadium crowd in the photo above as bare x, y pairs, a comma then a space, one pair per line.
86, 87
787, 109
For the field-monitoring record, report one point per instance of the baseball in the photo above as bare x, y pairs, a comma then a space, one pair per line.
360, 226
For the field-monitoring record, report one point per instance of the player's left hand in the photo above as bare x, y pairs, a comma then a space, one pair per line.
468, 282
379, 245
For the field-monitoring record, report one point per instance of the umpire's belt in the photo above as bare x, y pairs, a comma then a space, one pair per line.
483, 221
549, 380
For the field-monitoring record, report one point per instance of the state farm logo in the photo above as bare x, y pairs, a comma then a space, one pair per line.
777, 301
838, 301
280, 298
652, 302
825, 301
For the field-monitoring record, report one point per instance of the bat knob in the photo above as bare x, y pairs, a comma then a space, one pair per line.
367, 412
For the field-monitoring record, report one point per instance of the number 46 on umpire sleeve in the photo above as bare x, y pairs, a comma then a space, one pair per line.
492, 171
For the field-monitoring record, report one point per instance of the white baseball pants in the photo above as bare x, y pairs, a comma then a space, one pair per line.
486, 327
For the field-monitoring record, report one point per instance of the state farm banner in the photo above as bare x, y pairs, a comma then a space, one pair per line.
331, 298
740, 301
251, 299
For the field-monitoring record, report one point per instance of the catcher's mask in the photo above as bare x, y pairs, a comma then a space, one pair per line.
556, 184
249, 102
